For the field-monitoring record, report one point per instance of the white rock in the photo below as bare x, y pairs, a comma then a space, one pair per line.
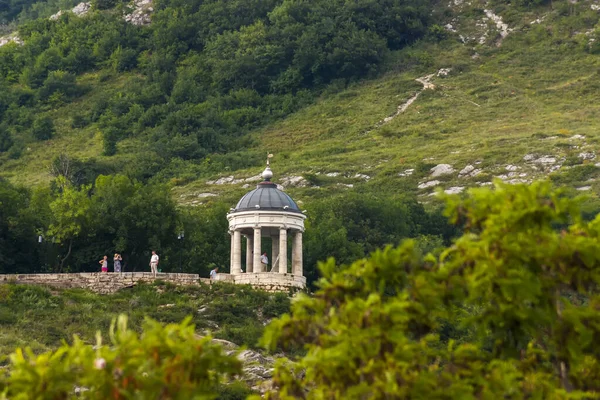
255, 178
407, 172
587, 155
441, 169
280, 187
246, 186
332, 174
429, 184
362, 176
577, 137
141, 13
469, 171
81, 9
450, 28
515, 181
546, 160
222, 181
554, 168
512, 167
12, 38
203, 195
56, 16
500, 25
444, 71
529, 157
583, 188
595, 7
466, 170
454, 190
295, 181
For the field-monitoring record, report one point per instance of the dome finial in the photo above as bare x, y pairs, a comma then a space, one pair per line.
267, 173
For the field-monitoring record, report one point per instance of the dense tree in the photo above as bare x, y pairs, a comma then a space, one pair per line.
70, 216
133, 219
17, 230
350, 226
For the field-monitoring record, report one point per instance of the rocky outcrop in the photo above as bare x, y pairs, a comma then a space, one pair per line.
140, 15
257, 368
79, 10
441, 169
12, 38
429, 184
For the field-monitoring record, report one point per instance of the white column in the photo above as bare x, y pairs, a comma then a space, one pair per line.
249, 248
274, 253
237, 253
282, 251
256, 265
297, 254
231, 252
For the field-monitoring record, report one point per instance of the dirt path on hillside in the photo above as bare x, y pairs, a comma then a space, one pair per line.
426, 82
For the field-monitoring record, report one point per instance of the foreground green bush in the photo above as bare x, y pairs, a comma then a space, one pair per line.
168, 362
520, 287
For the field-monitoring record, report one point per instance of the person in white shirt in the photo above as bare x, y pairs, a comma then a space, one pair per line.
213, 273
154, 263
264, 260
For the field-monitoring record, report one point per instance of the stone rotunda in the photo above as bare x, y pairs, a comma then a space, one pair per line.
266, 212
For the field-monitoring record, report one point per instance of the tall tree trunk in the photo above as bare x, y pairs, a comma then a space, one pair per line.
62, 262
563, 366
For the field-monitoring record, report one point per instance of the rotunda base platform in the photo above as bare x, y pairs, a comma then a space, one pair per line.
268, 281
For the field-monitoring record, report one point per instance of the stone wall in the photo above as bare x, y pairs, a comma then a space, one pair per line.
100, 282
103, 282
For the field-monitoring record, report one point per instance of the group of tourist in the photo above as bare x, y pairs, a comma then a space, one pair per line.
154, 264
117, 259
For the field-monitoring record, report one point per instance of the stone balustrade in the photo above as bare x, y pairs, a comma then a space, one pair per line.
101, 282
104, 283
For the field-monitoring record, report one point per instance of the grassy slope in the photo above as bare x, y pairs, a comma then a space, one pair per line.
529, 88
41, 318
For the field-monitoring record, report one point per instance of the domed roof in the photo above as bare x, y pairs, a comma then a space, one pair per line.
266, 196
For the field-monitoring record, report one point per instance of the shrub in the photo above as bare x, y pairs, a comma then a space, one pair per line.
170, 360
79, 121
6, 140
508, 311
43, 128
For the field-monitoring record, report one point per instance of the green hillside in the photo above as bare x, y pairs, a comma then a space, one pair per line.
195, 100
495, 106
